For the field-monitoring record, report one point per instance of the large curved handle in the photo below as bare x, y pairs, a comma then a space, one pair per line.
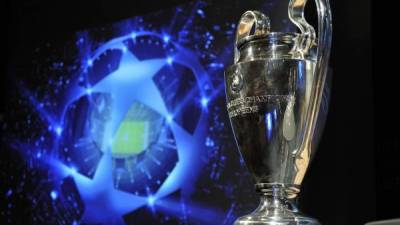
306, 42
323, 51
248, 20
321, 68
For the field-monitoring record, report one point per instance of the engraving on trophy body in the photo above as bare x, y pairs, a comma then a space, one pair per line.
268, 116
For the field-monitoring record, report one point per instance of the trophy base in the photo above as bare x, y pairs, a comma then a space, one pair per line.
276, 208
255, 219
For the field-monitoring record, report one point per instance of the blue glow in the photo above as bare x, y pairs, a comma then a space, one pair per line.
200, 12
90, 62
301, 70
53, 195
9, 193
73, 170
201, 213
169, 60
134, 81
133, 35
98, 191
124, 49
89, 91
166, 38
204, 102
150, 201
209, 142
59, 130
268, 121
169, 118
217, 65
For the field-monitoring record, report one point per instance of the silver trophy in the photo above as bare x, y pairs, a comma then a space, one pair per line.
274, 91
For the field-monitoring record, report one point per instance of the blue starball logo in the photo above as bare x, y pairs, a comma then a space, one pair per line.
133, 125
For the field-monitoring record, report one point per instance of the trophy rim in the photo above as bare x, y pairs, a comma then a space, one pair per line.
270, 37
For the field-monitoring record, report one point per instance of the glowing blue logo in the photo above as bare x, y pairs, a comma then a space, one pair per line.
133, 125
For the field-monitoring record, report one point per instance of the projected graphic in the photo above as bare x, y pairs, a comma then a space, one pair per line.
134, 118
126, 124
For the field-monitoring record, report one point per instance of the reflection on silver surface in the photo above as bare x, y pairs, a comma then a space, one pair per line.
268, 117
273, 92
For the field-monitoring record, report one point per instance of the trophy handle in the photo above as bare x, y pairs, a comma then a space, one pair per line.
296, 8
307, 37
321, 68
248, 21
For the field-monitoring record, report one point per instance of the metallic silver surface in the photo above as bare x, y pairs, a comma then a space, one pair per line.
268, 115
274, 93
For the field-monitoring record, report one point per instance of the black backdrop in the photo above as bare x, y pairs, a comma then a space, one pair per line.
352, 176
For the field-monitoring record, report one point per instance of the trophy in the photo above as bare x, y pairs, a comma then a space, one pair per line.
274, 91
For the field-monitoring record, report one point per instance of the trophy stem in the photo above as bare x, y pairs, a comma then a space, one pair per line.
276, 208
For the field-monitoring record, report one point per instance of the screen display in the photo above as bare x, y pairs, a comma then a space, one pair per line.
126, 123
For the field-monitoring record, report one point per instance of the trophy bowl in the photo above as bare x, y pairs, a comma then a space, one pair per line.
274, 91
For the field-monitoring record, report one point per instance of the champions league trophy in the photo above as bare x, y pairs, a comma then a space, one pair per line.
274, 91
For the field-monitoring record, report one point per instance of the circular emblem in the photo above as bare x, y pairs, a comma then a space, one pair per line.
237, 82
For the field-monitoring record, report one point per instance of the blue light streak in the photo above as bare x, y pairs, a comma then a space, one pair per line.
268, 122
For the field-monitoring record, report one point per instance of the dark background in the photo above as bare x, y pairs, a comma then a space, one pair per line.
355, 175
